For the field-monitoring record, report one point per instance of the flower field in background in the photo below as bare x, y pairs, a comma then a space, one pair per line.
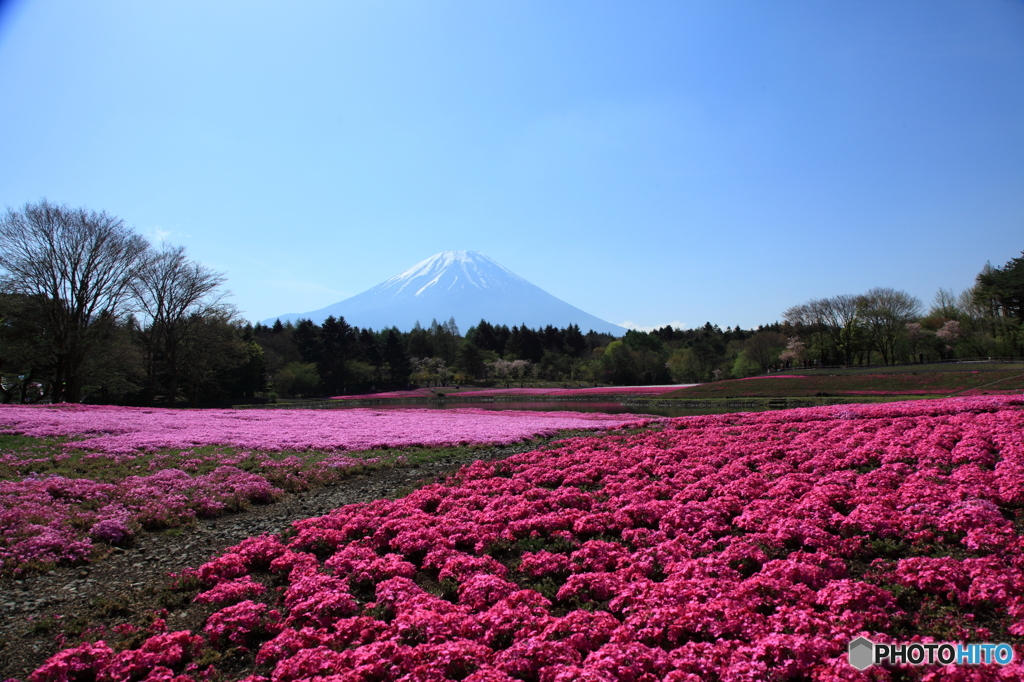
1015, 385
736, 547
152, 468
133, 429
924, 383
570, 392
496, 392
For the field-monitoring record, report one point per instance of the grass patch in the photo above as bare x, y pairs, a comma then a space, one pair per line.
23, 455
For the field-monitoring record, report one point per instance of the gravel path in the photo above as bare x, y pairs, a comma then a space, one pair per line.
128, 585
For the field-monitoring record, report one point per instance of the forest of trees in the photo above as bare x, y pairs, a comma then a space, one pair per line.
335, 358
91, 312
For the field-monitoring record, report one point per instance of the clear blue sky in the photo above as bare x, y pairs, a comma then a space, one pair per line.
653, 162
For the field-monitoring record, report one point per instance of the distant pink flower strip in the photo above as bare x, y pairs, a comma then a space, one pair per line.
922, 391
133, 429
559, 392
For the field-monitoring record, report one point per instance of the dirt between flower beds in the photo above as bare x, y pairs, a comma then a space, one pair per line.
131, 584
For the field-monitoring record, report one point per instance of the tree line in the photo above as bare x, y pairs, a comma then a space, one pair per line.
91, 312
334, 358
886, 326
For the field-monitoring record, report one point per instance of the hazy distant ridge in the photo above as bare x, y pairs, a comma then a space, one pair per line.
466, 285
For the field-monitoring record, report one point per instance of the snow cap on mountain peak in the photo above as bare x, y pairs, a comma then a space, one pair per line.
450, 269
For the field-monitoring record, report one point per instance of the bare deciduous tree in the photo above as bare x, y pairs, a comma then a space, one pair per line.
945, 305
174, 294
801, 315
840, 314
813, 315
886, 312
78, 265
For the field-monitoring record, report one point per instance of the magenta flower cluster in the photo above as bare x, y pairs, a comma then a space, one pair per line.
134, 429
56, 519
53, 519
735, 548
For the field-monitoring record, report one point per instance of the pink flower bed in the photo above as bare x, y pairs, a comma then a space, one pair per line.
618, 390
995, 390
134, 429
917, 392
54, 519
57, 519
734, 548
776, 376
559, 392
413, 393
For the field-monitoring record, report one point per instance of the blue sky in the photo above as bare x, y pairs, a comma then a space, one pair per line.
655, 162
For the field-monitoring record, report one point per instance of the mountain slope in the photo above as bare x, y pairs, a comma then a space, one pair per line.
465, 285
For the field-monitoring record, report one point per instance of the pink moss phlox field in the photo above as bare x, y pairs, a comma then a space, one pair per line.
554, 392
569, 392
133, 429
728, 548
917, 392
57, 519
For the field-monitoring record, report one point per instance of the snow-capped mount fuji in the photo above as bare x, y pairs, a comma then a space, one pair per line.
466, 285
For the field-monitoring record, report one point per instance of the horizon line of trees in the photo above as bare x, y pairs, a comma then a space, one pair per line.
91, 312
334, 358
885, 324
